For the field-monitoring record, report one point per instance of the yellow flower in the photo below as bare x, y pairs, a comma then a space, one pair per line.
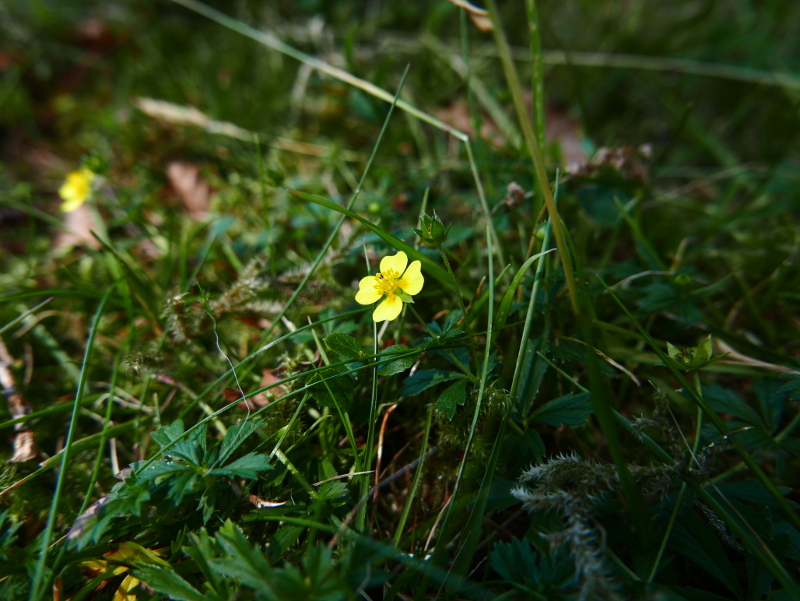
76, 189
394, 284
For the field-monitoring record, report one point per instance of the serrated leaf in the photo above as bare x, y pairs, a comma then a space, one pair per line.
192, 448
235, 436
425, 378
333, 491
515, 562
726, 401
167, 582
456, 394
771, 402
163, 468
244, 562
452, 319
697, 542
400, 365
248, 466
570, 410
336, 389
343, 345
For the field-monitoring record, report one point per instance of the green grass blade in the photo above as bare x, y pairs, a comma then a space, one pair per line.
472, 530
409, 501
540, 172
36, 586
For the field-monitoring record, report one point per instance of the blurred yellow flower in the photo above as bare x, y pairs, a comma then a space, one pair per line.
76, 189
394, 284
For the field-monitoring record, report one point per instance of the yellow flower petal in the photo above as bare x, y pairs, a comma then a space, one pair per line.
76, 189
396, 263
412, 280
389, 309
367, 293
70, 205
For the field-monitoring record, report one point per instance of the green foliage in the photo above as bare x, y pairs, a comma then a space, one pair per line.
518, 564
474, 453
453, 395
570, 409
343, 345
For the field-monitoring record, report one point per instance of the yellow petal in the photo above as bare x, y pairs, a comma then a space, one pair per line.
76, 189
412, 280
367, 293
396, 263
389, 309
70, 205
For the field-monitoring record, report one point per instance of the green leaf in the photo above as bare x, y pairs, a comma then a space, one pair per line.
452, 320
248, 466
337, 388
570, 410
515, 562
400, 365
167, 582
343, 345
163, 468
192, 448
726, 401
336, 492
243, 561
425, 378
697, 542
236, 435
456, 394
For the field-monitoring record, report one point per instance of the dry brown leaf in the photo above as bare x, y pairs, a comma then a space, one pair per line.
567, 132
457, 115
261, 503
193, 190
269, 377
79, 225
23, 442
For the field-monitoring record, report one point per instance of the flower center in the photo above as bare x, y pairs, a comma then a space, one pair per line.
386, 282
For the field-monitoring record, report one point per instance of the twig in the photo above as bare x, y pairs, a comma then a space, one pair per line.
22, 442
